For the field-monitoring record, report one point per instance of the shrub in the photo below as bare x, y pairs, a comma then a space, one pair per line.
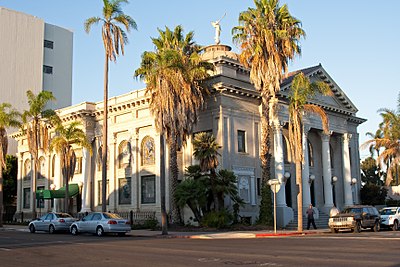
214, 219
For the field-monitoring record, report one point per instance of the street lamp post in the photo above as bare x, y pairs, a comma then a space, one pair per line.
275, 186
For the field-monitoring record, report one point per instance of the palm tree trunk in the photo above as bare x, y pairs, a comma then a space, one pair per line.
265, 216
105, 136
176, 218
34, 179
162, 188
1, 195
299, 197
213, 177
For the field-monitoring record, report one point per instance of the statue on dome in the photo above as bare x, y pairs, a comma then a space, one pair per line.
217, 27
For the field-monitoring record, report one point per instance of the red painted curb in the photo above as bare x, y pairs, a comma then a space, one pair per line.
284, 234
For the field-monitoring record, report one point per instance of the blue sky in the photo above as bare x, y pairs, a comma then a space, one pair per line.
355, 41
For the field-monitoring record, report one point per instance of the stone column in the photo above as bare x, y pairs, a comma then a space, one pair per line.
348, 195
306, 170
326, 166
86, 159
33, 186
279, 163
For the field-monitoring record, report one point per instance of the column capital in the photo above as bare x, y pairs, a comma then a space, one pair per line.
325, 136
277, 125
346, 137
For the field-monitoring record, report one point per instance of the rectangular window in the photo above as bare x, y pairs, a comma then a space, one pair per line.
101, 190
48, 44
27, 198
47, 69
241, 141
148, 189
40, 201
124, 196
78, 166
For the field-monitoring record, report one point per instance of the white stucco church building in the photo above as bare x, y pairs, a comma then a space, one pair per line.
331, 172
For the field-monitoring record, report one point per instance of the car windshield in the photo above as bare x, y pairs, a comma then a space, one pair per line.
388, 211
111, 216
352, 210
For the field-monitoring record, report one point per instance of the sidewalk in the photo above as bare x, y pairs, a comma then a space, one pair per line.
202, 235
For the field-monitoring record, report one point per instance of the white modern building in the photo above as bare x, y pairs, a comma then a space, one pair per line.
34, 56
331, 173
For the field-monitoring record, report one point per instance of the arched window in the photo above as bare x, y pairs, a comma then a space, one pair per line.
147, 152
53, 166
285, 150
42, 168
27, 169
124, 154
310, 154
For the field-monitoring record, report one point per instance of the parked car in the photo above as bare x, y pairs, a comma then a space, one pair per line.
356, 218
52, 222
100, 223
390, 218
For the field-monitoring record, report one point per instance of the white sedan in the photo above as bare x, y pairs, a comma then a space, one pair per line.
100, 223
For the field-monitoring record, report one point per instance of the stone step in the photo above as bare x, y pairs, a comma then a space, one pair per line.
321, 222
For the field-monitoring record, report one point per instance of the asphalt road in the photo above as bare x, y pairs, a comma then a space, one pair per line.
343, 249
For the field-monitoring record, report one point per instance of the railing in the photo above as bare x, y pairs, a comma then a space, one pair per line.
137, 217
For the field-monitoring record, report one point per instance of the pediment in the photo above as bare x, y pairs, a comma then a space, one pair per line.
338, 101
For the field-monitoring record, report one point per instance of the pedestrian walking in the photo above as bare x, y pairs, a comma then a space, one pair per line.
310, 217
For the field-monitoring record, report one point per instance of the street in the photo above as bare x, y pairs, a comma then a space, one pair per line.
344, 249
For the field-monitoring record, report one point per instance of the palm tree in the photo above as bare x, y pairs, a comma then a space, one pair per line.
387, 139
205, 149
34, 122
66, 136
174, 76
269, 38
9, 117
114, 40
302, 90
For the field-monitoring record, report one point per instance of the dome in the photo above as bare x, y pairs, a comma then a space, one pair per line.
217, 50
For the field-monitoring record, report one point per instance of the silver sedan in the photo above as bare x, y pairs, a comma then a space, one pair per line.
100, 223
52, 222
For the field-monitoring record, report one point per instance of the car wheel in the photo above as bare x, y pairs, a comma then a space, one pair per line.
377, 227
334, 231
52, 230
99, 231
74, 230
395, 226
357, 229
32, 228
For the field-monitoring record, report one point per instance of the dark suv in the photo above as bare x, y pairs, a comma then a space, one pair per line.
356, 218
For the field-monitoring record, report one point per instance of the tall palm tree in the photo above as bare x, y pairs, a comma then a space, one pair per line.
302, 90
34, 122
65, 137
174, 76
205, 149
269, 38
114, 40
388, 142
9, 117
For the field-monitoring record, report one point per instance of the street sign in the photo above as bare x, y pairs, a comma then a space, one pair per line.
275, 188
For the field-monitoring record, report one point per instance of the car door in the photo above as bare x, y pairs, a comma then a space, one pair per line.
366, 217
94, 222
49, 218
39, 224
85, 222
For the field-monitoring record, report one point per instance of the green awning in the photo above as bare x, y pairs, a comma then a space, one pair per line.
60, 193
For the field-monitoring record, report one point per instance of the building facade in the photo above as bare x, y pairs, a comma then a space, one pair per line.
331, 172
35, 56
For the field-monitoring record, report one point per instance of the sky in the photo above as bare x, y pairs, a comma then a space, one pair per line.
355, 41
